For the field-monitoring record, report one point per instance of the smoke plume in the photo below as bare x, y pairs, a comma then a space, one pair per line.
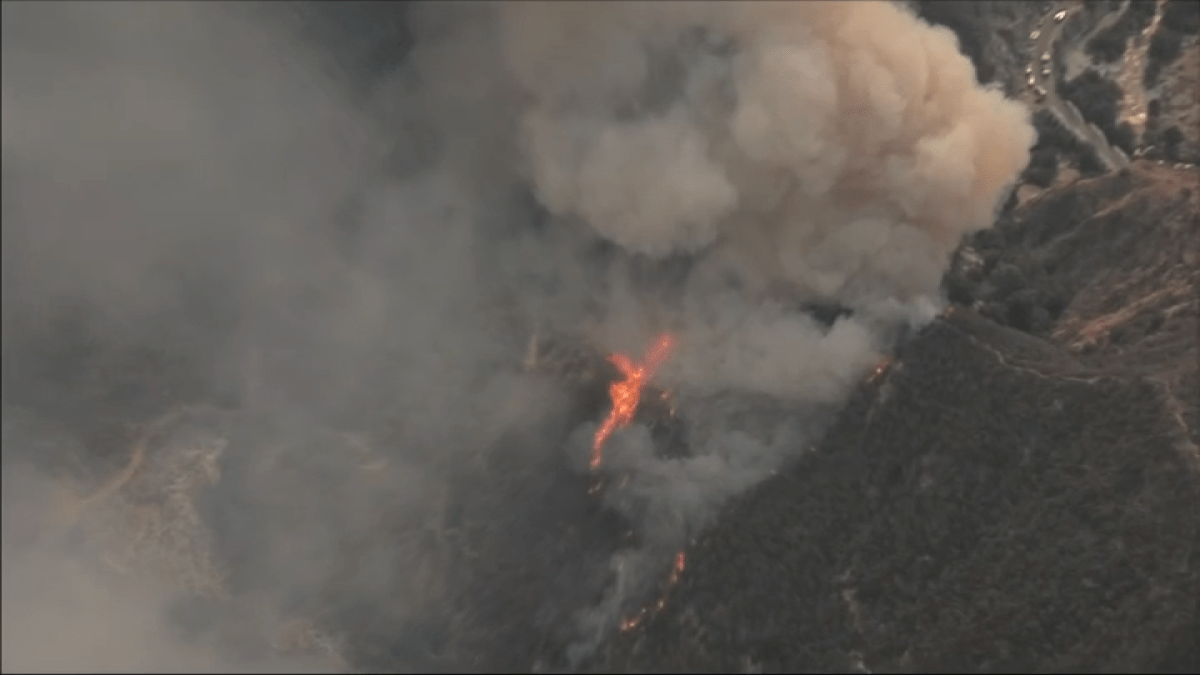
820, 152
351, 268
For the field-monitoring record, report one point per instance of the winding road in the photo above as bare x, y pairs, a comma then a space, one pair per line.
1068, 114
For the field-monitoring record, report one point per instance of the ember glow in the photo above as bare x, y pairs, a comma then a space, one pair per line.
677, 569
627, 393
632, 622
880, 370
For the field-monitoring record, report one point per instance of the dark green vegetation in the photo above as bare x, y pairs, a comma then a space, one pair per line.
1109, 45
1098, 100
1055, 144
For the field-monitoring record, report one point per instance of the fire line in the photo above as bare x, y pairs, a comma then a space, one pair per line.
631, 622
627, 393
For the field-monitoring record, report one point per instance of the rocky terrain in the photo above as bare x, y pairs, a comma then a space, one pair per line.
1017, 489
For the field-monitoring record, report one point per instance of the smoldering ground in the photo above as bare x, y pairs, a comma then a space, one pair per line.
350, 268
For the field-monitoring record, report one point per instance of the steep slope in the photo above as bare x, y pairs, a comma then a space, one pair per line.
998, 500
1018, 490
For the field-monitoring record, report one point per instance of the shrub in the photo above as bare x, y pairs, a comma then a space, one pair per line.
1172, 138
1183, 16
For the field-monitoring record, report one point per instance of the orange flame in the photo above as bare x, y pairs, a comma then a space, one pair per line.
880, 369
627, 393
632, 622
629, 623
680, 564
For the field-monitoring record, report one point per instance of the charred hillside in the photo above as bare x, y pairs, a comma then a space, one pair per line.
1004, 498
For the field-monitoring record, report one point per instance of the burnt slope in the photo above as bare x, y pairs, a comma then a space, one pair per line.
1000, 501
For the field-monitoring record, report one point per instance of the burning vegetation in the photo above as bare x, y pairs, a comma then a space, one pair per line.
677, 567
836, 150
627, 393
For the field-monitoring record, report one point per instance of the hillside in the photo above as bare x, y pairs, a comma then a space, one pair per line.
999, 500
1016, 488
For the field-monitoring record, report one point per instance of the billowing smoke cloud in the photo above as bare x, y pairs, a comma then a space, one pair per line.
841, 149
352, 270
820, 152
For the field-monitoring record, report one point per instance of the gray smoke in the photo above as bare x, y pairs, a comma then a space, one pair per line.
340, 259
837, 151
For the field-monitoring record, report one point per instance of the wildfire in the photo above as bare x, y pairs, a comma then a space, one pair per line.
631, 622
677, 569
880, 369
627, 393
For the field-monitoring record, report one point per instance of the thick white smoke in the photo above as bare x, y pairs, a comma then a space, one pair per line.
179, 174
843, 148
830, 152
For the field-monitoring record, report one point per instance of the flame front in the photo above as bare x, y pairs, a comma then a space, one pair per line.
631, 622
627, 393
677, 568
